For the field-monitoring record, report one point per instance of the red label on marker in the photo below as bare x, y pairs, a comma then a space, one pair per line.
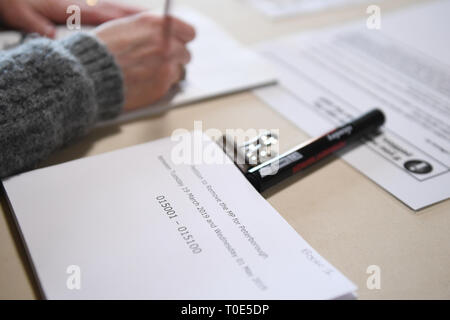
319, 156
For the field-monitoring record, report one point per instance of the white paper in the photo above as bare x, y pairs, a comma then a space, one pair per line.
285, 8
9, 39
101, 214
330, 76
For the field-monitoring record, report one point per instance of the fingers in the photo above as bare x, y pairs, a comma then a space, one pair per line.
106, 11
128, 9
152, 54
167, 27
32, 21
146, 65
181, 30
96, 16
177, 68
178, 52
176, 74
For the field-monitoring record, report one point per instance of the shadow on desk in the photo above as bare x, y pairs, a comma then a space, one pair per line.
81, 147
19, 244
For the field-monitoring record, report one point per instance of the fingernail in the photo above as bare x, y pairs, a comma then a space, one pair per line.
49, 31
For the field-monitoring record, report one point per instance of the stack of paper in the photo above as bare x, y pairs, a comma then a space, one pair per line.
134, 224
331, 76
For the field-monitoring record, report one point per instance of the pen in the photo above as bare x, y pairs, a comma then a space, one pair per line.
167, 32
167, 24
167, 6
273, 171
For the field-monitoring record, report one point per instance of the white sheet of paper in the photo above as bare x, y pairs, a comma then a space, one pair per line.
330, 76
103, 215
9, 39
285, 8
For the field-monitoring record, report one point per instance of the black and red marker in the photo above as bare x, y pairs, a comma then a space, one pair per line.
270, 173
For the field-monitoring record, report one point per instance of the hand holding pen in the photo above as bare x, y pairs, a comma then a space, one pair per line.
151, 56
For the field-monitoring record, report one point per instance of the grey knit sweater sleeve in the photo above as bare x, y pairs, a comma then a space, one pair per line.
52, 92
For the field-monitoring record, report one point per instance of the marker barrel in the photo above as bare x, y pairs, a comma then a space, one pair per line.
272, 172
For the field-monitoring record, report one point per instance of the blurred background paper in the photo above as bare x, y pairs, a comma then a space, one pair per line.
328, 77
285, 8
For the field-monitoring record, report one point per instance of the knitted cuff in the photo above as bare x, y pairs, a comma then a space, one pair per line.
101, 67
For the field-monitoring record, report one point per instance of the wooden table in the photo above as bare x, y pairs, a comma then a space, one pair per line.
347, 218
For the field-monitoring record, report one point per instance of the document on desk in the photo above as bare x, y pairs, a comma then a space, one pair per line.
9, 39
220, 65
286, 8
139, 224
330, 76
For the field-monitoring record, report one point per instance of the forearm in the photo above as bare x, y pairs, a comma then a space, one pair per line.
50, 93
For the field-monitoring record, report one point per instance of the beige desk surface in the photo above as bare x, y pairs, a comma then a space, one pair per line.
348, 219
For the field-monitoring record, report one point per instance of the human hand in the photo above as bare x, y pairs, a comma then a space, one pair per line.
152, 59
41, 15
